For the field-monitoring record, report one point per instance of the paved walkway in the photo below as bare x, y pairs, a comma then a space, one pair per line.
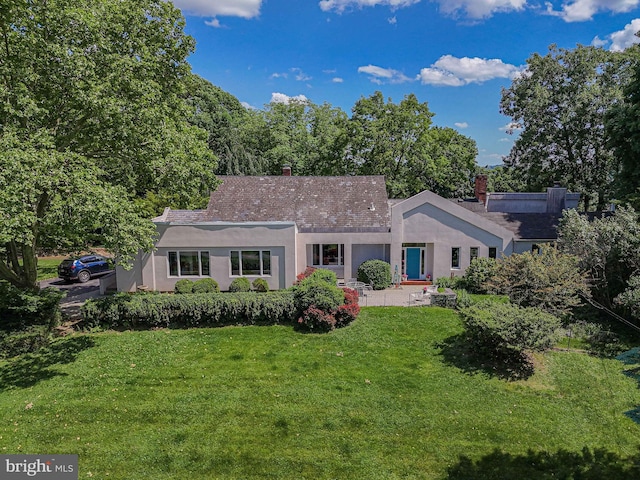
396, 297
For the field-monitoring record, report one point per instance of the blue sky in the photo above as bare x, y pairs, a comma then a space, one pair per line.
456, 55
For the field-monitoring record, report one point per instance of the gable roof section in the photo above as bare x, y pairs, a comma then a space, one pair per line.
315, 204
454, 209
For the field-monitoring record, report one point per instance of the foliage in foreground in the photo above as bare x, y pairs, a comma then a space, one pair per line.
392, 396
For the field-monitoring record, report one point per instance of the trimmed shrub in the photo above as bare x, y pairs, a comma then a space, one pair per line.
205, 285
376, 273
445, 300
311, 292
241, 284
314, 318
306, 274
347, 313
183, 285
324, 275
125, 310
479, 273
505, 331
260, 285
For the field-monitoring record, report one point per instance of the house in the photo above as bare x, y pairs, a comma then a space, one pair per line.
273, 227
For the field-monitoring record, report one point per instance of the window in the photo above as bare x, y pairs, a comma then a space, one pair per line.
328, 254
493, 252
188, 264
256, 263
473, 253
455, 257
535, 249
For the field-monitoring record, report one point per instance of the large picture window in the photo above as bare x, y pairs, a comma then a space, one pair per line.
328, 254
255, 263
188, 264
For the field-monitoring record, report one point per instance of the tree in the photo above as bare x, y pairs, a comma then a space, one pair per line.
550, 281
229, 126
92, 116
560, 102
386, 138
608, 249
622, 124
447, 166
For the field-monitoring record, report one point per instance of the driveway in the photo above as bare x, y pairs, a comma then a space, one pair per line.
77, 293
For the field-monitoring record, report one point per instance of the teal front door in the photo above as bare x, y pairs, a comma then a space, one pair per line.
413, 263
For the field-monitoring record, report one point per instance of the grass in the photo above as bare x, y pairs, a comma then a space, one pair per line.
394, 395
48, 267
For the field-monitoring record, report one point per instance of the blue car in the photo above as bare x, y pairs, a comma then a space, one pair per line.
84, 268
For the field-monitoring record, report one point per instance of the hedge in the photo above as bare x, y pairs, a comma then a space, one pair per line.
212, 309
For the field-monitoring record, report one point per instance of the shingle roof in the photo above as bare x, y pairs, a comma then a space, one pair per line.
315, 204
527, 226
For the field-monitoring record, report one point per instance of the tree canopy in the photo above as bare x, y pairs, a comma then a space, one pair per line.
92, 115
560, 102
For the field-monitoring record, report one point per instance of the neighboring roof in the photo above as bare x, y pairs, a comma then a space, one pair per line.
527, 226
315, 204
179, 216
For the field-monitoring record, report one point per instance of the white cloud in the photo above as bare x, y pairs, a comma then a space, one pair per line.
224, 8
279, 75
214, 22
300, 75
340, 6
480, 8
511, 127
451, 71
392, 20
248, 106
583, 10
506, 140
337, 80
286, 99
626, 37
381, 75
461, 124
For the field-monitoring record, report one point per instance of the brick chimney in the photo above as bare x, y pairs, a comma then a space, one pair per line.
481, 188
286, 170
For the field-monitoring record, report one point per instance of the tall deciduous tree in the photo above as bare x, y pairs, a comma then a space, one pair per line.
92, 114
560, 102
623, 129
385, 138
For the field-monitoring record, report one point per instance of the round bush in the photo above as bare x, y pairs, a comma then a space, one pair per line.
324, 275
241, 284
206, 285
319, 294
184, 286
376, 273
260, 285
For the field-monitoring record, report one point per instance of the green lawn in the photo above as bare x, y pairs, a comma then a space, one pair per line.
48, 267
392, 396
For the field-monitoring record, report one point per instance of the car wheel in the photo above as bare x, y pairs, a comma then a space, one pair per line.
84, 276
